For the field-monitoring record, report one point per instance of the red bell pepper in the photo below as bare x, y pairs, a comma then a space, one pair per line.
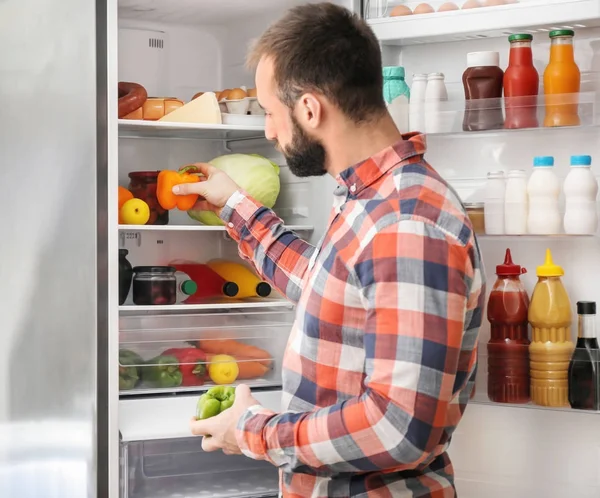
192, 364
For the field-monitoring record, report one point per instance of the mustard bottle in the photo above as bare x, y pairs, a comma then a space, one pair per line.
551, 345
250, 285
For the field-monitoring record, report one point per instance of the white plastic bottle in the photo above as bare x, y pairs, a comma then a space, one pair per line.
435, 94
581, 190
185, 287
493, 206
516, 203
417, 103
543, 189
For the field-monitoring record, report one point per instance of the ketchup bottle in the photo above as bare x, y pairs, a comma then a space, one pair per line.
508, 353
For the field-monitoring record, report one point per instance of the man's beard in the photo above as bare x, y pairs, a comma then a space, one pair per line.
305, 156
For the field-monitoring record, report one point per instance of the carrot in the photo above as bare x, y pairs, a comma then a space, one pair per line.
236, 349
248, 369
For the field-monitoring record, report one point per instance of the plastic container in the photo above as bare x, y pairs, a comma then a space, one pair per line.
417, 103
435, 94
543, 189
397, 95
581, 191
240, 106
516, 203
508, 354
186, 287
476, 213
482, 83
495, 191
125, 276
254, 107
142, 184
551, 346
154, 285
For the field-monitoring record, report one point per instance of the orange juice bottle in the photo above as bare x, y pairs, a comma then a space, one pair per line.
551, 345
562, 81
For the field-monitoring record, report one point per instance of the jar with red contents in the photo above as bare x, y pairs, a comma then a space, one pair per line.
508, 347
142, 185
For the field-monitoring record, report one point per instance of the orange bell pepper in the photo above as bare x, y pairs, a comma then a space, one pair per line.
167, 179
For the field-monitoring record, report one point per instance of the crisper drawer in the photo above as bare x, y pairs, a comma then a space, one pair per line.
191, 352
178, 468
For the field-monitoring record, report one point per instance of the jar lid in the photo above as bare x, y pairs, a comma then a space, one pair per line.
561, 32
435, 76
581, 160
189, 287
520, 37
543, 161
154, 269
508, 268
144, 174
586, 307
393, 72
549, 269
476, 59
474, 205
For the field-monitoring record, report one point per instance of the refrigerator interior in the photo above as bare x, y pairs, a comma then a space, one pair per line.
497, 450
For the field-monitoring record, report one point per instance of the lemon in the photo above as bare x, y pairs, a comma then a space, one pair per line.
135, 212
223, 369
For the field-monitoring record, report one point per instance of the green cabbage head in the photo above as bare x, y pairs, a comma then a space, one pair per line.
254, 173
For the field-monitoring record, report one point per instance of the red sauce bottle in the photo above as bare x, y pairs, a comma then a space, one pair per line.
521, 84
508, 352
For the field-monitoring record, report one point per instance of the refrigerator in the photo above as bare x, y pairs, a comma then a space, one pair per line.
66, 428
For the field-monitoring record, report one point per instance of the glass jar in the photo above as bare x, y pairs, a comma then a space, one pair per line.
142, 185
475, 212
125, 275
154, 285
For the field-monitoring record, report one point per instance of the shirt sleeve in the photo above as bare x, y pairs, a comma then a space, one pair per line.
415, 285
278, 254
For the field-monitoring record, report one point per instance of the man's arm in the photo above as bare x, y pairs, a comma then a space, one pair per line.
278, 254
415, 283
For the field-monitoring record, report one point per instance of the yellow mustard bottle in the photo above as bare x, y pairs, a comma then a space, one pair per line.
551, 345
250, 285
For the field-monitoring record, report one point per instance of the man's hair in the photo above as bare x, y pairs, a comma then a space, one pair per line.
324, 48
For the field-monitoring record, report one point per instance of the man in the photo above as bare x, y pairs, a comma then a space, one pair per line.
381, 360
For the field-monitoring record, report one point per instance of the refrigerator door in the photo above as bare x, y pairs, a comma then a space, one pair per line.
53, 258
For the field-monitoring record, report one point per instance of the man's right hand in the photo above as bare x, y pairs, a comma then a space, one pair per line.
214, 189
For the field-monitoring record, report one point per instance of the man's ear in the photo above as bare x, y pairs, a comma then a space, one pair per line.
309, 110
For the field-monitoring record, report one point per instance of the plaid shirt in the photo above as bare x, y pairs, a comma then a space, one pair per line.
382, 356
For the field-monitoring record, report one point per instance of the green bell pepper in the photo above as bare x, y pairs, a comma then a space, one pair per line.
215, 401
129, 362
162, 372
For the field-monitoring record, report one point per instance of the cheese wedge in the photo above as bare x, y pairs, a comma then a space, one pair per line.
204, 110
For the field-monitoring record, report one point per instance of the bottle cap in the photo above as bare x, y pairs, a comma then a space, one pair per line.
393, 72
581, 160
189, 287
549, 269
123, 252
263, 289
476, 59
520, 37
509, 268
586, 308
543, 161
419, 76
561, 32
230, 289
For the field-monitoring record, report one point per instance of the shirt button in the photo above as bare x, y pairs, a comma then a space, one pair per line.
353, 188
230, 225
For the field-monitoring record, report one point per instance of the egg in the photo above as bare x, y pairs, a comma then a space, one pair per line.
401, 10
224, 94
423, 8
237, 94
448, 6
471, 4
493, 3
252, 92
197, 95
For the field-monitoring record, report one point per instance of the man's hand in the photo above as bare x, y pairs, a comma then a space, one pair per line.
219, 431
214, 189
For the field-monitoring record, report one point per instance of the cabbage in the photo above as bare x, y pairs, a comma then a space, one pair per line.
252, 172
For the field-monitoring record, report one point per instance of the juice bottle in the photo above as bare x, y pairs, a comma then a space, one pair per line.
209, 283
508, 354
562, 81
521, 84
250, 285
551, 346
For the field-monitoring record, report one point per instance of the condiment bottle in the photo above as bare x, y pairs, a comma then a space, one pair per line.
210, 284
581, 190
562, 81
397, 96
417, 103
508, 353
495, 191
249, 284
521, 84
482, 82
551, 346
125, 276
543, 190
435, 94
584, 386
516, 203
186, 287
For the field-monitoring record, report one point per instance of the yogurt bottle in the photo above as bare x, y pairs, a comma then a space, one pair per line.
581, 190
543, 189
397, 95
417, 103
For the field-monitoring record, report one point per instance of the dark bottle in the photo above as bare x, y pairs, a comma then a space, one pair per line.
584, 391
125, 275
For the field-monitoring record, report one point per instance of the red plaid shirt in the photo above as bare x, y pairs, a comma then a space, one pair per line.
382, 356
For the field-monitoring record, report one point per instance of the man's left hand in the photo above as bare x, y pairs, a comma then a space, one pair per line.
219, 431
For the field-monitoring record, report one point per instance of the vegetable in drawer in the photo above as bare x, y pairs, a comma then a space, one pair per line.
162, 372
192, 364
129, 363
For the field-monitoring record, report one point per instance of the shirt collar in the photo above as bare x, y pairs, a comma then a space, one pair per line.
364, 173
